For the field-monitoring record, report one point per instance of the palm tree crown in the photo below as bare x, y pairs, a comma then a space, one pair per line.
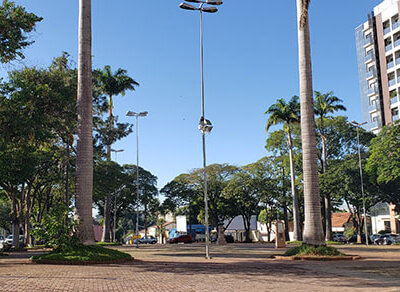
327, 103
114, 83
284, 113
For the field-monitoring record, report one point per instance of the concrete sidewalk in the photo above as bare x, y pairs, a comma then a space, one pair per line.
235, 267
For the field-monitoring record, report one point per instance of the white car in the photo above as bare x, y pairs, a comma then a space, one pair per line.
9, 240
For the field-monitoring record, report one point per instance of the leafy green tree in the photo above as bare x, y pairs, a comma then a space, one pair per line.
218, 176
383, 165
112, 84
34, 113
277, 144
15, 25
249, 186
5, 208
181, 197
325, 104
148, 193
267, 216
288, 114
342, 180
57, 228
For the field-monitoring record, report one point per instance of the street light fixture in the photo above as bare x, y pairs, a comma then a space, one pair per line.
205, 125
116, 152
137, 115
358, 125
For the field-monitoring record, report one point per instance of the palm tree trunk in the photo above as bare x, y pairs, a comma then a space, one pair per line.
327, 198
107, 202
313, 232
84, 160
296, 210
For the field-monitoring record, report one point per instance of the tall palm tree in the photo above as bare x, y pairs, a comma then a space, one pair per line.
288, 114
324, 104
84, 160
112, 84
313, 232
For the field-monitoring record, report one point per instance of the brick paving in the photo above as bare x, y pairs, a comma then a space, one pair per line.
235, 267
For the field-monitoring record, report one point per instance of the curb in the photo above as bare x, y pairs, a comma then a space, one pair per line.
81, 263
317, 258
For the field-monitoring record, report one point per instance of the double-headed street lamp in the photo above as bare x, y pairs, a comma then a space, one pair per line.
205, 125
358, 125
116, 152
137, 115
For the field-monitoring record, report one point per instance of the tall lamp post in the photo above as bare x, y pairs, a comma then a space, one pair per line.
358, 125
205, 125
137, 115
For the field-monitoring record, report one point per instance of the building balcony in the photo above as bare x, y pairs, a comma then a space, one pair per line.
374, 124
370, 74
395, 118
390, 65
372, 90
386, 30
395, 25
372, 107
388, 47
367, 41
392, 82
396, 43
394, 99
368, 57
398, 61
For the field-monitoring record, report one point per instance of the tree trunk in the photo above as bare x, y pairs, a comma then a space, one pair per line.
327, 198
107, 215
246, 223
84, 160
220, 236
286, 219
296, 209
313, 232
67, 173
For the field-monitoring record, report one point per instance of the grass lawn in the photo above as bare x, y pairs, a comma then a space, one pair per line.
102, 243
84, 254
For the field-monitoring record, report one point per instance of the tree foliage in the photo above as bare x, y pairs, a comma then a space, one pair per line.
15, 25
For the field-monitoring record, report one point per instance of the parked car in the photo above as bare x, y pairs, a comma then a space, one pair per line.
374, 236
7, 243
228, 238
353, 239
339, 237
387, 239
146, 240
181, 238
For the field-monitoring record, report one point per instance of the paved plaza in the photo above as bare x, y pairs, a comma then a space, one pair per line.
235, 267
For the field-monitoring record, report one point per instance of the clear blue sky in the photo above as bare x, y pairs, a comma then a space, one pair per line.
250, 61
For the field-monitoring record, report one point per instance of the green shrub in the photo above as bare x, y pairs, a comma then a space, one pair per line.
102, 243
294, 242
334, 242
56, 229
349, 232
311, 250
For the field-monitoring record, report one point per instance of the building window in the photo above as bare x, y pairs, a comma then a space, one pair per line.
387, 226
